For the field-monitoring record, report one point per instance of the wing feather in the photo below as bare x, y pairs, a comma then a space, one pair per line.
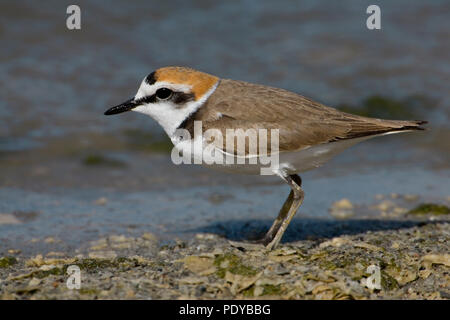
301, 121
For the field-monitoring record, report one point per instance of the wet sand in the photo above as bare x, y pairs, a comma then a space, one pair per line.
412, 259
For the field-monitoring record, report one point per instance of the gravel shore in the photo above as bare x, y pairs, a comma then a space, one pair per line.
414, 263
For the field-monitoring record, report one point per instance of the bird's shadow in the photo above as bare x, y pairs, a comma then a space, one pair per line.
304, 228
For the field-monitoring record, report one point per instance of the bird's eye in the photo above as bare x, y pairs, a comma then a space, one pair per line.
163, 93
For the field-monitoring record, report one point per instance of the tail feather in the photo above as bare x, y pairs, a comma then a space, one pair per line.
379, 126
419, 123
410, 125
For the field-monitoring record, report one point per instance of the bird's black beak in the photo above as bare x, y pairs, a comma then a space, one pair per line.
126, 106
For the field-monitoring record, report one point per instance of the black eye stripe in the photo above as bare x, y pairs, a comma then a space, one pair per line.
181, 97
177, 98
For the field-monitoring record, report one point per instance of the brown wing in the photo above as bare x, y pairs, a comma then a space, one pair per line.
301, 121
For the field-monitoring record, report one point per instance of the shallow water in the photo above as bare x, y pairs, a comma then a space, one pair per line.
56, 84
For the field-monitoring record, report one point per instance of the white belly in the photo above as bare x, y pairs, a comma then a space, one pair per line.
288, 162
296, 161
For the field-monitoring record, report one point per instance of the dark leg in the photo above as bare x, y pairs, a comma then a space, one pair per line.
287, 212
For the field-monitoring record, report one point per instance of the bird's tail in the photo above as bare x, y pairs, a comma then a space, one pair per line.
362, 127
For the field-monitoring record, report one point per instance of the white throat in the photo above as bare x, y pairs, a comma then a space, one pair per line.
169, 116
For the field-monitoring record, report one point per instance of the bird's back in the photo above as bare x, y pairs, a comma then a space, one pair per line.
301, 121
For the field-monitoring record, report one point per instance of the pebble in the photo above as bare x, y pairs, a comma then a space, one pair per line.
6, 218
416, 260
102, 254
101, 201
149, 236
50, 240
411, 197
34, 282
385, 205
342, 209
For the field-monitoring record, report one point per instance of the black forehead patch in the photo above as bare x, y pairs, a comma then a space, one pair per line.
150, 79
179, 98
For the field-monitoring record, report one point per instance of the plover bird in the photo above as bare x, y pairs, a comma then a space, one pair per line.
309, 133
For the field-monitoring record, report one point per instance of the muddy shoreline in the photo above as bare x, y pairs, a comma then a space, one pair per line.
413, 260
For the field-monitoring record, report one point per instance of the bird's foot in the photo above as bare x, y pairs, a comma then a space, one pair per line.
267, 241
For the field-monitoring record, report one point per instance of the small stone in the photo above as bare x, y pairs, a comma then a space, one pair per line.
205, 236
34, 282
193, 280
130, 294
102, 255
335, 242
320, 288
40, 171
258, 291
385, 205
411, 197
104, 293
200, 247
37, 261
395, 245
7, 296
343, 204
200, 265
424, 273
27, 290
50, 240
121, 242
6, 218
100, 244
369, 246
239, 282
47, 267
399, 211
405, 276
119, 239
55, 254
283, 252
246, 245
436, 259
269, 281
342, 209
217, 251
359, 266
101, 201
149, 236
